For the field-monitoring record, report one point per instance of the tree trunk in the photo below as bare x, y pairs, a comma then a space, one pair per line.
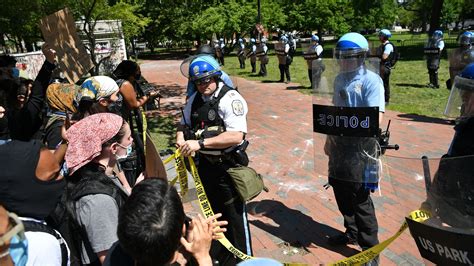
435, 15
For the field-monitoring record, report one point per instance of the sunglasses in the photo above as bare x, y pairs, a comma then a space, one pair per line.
17, 228
202, 81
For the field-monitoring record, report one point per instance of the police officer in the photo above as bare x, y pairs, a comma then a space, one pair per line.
285, 68
433, 55
222, 47
452, 195
241, 53
461, 56
351, 157
253, 55
218, 51
385, 53
314, 54
215, 120
263, 57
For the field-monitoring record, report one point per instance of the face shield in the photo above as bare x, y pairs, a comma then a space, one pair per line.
350, 60
461, 99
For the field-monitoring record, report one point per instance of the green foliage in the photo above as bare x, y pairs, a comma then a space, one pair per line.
133, 23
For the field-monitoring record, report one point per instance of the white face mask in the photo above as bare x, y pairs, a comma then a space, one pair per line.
129, 151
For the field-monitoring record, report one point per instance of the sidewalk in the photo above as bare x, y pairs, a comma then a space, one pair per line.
292, 222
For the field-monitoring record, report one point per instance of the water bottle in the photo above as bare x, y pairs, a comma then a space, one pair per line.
371, 175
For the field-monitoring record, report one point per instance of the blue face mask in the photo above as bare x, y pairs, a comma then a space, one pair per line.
19, 250
129, 151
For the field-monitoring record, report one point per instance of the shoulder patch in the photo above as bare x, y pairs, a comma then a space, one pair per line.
238, 107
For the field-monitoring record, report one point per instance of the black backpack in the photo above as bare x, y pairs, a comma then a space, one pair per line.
394, 55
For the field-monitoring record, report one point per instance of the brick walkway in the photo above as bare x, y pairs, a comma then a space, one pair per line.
292, 222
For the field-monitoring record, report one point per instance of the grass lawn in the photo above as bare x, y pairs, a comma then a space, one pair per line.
409, 93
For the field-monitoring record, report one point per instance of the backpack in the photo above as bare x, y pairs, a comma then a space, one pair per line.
394, 55
63, 217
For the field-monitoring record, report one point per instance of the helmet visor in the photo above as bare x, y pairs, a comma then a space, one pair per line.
184, 68
461, 99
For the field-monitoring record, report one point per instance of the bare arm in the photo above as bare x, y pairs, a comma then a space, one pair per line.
130, 96
222, 141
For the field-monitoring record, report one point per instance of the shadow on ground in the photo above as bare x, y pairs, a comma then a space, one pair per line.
426, 119
298, 88
418, 86
295, 227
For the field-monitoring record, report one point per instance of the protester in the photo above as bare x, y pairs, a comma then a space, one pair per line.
60, 98
152, 226
30, 186
214, 119
96, 95
22, 123
94, 192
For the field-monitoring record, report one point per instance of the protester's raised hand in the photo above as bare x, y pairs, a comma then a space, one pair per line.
217, 226
49, 53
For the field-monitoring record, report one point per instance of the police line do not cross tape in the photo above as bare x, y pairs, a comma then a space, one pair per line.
206, 208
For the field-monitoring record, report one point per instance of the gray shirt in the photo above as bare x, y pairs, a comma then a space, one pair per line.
98, 215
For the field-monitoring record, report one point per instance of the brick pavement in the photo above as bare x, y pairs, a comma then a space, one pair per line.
292, 222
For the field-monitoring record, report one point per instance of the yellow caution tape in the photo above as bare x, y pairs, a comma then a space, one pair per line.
360, 258
145, 126
369, 254
182, 174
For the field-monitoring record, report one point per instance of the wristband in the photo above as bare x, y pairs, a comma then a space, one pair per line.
201, 143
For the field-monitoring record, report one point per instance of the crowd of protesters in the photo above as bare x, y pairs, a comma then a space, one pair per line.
65, 198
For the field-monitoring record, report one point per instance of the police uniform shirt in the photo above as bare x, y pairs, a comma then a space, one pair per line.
254, 48
242, 46
362, 88
318, 49
232, 109
287, 48
388, 48
265, 48
440, 45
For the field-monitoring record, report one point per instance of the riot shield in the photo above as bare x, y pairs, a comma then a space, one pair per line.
219, 52
261, 55
280, 52
458, 59
309, 54
437, 196
346, 121
461, 99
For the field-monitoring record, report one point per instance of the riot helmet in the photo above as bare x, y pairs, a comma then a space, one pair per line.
241, 40
252, 40
351, 51
284, 39
264, 40
314, 38
385, 33
437, 34
466, 39
206, 49
204, 67
461, 99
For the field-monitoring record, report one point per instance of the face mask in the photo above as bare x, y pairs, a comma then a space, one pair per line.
129, 152
19, 250
18, 242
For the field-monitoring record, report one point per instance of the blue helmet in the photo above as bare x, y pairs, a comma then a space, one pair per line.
203, 67
252, 40
437, 34
284, 39
314, 38
468, 72
466, 38
240, 40
221, 39
385, 33
352, 43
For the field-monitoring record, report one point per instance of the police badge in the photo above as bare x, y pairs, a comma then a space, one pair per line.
211, 115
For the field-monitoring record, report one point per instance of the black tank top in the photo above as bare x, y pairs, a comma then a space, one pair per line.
20, 190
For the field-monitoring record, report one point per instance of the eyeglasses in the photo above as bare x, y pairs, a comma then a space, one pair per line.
17, 229
202, 81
